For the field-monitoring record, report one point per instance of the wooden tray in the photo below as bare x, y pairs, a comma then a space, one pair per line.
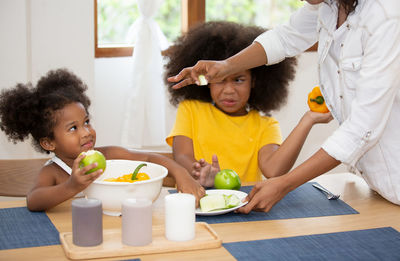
113, 247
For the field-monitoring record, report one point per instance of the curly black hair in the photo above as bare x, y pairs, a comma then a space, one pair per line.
26, 110
219, 40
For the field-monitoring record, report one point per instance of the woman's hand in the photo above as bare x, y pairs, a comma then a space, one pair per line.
79, 180
318, 117
214, 71
186, 184
205, 172
264, 195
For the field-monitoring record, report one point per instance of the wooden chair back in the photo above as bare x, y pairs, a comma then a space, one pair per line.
17, 176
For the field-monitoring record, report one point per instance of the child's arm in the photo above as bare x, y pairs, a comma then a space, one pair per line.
185, 182
182, 148
201, 170
277, 160
54, 186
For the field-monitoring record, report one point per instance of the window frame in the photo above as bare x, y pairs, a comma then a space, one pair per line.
192, 13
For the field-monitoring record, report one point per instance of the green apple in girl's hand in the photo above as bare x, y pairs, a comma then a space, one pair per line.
227, 179
93, 156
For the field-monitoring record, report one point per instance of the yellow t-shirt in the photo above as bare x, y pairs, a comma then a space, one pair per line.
235, 140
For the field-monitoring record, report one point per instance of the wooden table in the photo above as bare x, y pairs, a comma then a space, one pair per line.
374, 212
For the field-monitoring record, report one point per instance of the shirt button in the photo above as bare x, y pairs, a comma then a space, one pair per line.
338, 71
341, 96
341, 45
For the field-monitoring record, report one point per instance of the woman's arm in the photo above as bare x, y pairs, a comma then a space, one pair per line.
277, 160
266, 194
269, 48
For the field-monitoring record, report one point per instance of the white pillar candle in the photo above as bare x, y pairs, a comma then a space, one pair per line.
136, 222
180, 217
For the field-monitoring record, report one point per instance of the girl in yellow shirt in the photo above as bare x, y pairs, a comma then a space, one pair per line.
227, 124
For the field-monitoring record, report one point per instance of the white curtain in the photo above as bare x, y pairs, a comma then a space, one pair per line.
144, 122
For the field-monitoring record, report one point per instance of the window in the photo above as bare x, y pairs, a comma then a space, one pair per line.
114, 17
265, 13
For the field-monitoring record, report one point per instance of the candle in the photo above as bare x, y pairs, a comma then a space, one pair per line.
136, 222
87, 222
180, 217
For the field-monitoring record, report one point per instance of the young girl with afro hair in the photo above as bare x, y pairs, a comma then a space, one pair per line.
227, 125
55, 114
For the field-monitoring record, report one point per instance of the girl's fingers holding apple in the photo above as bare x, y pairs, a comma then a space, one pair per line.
75, 165
94, 175
89, 167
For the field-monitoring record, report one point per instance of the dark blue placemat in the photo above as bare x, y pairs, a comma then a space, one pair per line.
381, 244
305, 201
20, 228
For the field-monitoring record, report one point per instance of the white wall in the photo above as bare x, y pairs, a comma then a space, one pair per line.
40, 35
306, 78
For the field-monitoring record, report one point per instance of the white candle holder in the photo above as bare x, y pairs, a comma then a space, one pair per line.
180, 217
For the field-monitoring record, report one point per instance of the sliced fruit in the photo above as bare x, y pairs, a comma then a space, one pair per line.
212, 202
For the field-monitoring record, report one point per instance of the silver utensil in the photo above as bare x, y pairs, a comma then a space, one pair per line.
328, 194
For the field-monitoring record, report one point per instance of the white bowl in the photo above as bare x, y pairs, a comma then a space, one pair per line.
112, 194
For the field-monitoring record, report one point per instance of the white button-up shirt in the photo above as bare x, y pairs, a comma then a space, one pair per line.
359, 74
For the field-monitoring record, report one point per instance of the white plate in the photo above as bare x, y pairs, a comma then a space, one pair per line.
241, 195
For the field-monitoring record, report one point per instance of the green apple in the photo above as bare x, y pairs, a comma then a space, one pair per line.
93, 156
227, 179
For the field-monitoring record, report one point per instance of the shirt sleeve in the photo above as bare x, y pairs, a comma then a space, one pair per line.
293, 38
182, 124
271, 133
376, 91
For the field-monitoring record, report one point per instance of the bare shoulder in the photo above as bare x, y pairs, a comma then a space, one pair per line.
52, 174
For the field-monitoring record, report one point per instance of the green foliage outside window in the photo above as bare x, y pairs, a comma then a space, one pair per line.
116, 16
266, 13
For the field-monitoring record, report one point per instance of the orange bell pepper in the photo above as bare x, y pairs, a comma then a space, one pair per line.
316, 101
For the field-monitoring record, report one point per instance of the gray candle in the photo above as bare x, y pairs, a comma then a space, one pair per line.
87, 222
136, 222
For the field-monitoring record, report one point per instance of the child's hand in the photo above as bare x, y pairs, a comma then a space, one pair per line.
318, 117
205, 172
186, 184
79, 180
